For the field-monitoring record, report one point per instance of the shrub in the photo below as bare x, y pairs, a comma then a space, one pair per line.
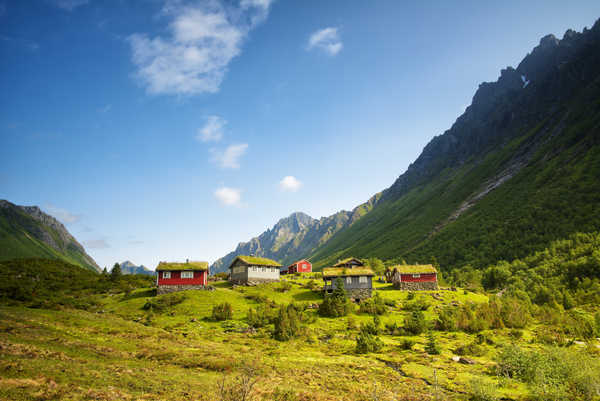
367, 339
163, 302
446, 320
432, 347
415, 323
260, 316
312, 285
351, 323
374, 306
222, 311
419, 304
284, 286
483, 390
472, 349
392, 328
407, 344
335, 304
287, 323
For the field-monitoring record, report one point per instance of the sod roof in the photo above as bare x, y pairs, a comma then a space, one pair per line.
344, 262
256, 261
414, 269
344, 271
174, 266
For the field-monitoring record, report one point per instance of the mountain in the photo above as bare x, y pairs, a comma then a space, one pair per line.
516, 171
128, 267
27, 232
295, 236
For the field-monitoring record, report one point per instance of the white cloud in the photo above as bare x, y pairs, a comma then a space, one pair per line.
290, 183
230, 157
327, 39
69, 5
229, 196
96, 244
64, 216
202, 40
212, 130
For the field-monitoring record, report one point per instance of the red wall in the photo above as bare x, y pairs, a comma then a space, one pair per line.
200, 278
424, 277
301, 267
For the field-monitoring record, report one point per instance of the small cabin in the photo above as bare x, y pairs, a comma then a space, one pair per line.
175, 276
413, 277
252, 270
301, 266
356, 278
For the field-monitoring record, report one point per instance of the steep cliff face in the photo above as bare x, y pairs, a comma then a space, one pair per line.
26, 231
513, 173
517, 170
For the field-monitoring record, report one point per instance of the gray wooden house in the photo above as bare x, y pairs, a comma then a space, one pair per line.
252, 270
356, 278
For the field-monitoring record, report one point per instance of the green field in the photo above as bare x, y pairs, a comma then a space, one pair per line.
119, 348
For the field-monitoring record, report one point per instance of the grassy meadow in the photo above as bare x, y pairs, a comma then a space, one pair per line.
134, 345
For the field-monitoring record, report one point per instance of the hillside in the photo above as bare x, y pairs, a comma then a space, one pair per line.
516, 171
295, 236
27, 232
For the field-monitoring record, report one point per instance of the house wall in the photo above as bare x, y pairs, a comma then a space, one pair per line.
253, 274
330, 283
200, 278
408, 278
300, 267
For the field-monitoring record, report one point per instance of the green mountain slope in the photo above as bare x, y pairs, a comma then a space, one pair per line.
27, 232
519, 169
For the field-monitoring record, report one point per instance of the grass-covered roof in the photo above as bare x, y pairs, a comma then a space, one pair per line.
343, 271
344, 262
256, 261
173, 266
414, 269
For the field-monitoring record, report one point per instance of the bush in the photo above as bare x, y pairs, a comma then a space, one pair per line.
222, 311
284, 286
163, 302
419, 304
260, 316
335, 304
483, 390
472, 349
407, 344
432, 347
287, 323
367, 339
415, 323
312, 285
446, 320
374, 306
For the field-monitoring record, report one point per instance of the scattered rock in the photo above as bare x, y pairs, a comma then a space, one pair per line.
456, 358
579, 342
466, 361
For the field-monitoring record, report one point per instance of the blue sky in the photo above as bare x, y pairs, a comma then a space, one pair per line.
165, 130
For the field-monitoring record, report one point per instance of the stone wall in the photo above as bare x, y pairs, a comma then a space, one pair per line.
254, 281
165, 289
416, 285
359, 293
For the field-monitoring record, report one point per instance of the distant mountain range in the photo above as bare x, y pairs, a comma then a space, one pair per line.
517, 170
26, 232
128, 267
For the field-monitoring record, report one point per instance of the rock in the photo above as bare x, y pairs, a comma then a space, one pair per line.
579, 342
466, 361
456, 358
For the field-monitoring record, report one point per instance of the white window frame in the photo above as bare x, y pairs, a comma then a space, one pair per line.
187, 274
363, 280
416, 276
166, 274
349, 280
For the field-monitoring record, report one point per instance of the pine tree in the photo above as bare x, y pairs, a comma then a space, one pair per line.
115, 273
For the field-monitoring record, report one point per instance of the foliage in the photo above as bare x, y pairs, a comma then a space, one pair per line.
373, 306
222, 311
284, 286
287, 323
335, 304
483, 390
432, 347
367, 339
115, 273
164, 302
415, 323
407, 344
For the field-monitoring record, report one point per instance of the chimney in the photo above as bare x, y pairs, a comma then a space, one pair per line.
187, 261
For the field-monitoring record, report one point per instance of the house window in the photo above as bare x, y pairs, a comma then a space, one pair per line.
264, 269
166, 274
416, 275
187, 274
348, 280
362, 279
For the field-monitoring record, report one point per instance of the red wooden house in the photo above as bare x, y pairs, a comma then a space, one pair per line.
172, 277
413, 277
301, 266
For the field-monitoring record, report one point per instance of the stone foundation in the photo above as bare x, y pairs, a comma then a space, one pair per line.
416, 285
165, 289
359, 293
254, 281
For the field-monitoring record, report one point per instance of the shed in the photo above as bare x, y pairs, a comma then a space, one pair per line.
252, 270
177, 276
413, 277
357, 281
